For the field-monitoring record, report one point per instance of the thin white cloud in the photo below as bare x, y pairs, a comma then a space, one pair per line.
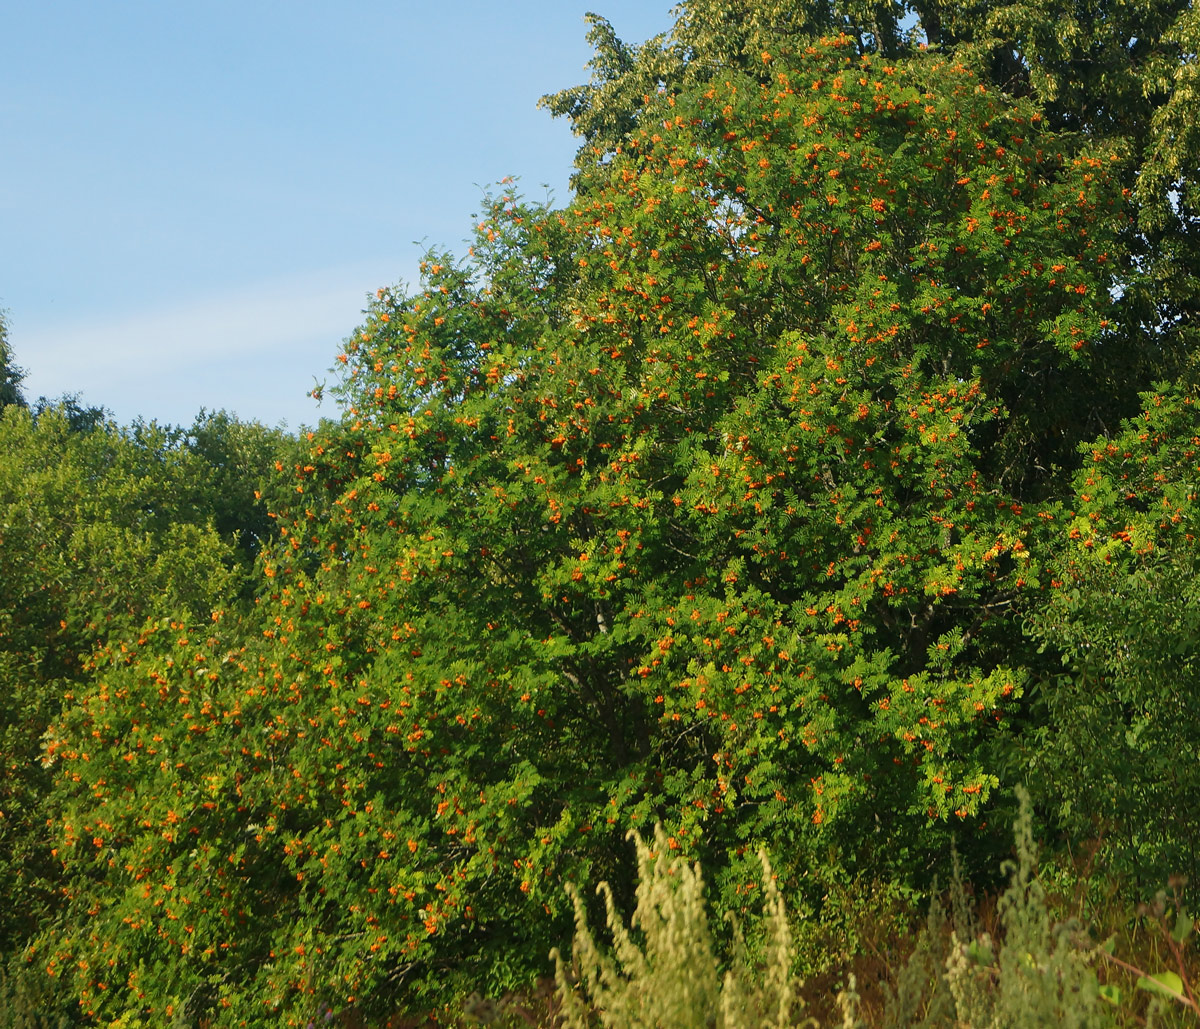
194, 333
255, 349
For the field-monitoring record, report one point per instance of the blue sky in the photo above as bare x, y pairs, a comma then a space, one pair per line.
196, 198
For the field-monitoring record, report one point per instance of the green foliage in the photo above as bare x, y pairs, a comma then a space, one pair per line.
787, 487
605, 110
1118, 749
705, 500
10, 375
1123, 73
28, 999
711, 38
734, 481
230, 471
99, 527
1177, 931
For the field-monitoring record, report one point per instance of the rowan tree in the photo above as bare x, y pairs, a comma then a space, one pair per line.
709, 498
1121, 76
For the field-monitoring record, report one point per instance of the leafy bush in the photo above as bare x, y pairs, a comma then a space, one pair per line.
99, 528
1120, 743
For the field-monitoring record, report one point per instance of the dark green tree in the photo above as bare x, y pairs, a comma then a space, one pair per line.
10, 375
